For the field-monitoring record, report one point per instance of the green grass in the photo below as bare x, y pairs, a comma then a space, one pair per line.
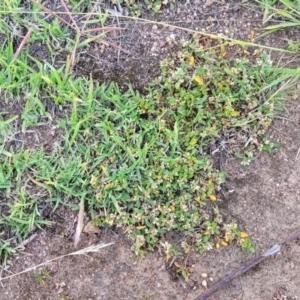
286, 15
140, 162
43, 276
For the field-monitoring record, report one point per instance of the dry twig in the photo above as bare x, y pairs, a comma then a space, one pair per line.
93, 248
275, 249
26, 37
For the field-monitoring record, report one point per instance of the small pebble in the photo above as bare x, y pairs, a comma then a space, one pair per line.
292, 265
172, 36
102, 48
211, 279
204, 275
162, 44
204, 283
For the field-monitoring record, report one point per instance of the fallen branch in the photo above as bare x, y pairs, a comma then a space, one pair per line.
275, 249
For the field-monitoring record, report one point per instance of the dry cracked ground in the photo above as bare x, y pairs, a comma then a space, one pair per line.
264, 201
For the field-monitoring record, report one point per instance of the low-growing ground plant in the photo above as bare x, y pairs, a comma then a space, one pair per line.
43, 276
136, 7
199, 98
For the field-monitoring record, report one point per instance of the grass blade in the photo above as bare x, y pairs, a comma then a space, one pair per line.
79, 226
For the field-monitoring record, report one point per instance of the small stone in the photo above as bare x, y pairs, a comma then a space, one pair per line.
162, 44
172, 36
154, 27
204, 283
204, 275
154, 47
292, 265
102, 48
211, 279
89, 228
208, 3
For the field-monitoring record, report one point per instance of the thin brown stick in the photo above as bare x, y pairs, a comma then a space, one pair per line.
90, 14
113, 45
69, 14
90, 249
102, 29
73, 55
275, 249
53, 14
26, 37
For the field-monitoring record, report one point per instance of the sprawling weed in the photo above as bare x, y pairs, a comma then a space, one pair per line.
136, 7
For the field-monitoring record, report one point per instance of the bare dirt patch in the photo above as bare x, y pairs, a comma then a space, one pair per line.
40, 136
